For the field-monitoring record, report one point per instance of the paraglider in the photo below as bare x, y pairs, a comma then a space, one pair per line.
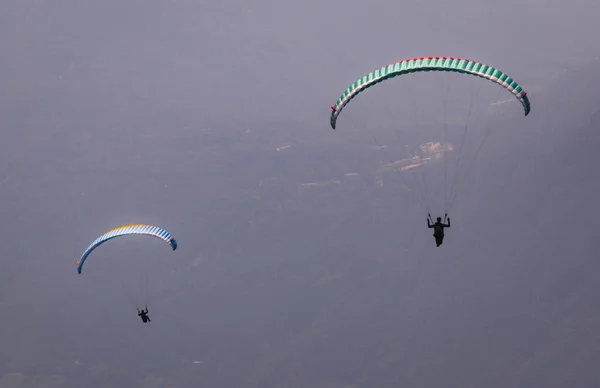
133, 229
438, 228
144, 315
430, 151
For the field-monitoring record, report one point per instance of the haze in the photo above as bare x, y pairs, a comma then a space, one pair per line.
300, 263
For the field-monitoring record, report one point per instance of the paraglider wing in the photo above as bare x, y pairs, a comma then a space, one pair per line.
413, 65
142, 229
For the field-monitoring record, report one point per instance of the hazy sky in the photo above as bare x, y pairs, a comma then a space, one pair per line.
210, 119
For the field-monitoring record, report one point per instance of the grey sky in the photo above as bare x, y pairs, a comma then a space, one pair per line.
170, 113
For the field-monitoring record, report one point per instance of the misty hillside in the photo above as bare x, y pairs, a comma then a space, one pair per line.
304, 259
330, 287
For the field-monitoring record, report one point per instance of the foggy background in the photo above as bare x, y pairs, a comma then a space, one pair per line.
211, 119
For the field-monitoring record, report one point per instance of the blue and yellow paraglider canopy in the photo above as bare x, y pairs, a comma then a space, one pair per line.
125, 230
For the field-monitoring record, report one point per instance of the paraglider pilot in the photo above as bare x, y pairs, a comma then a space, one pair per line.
438, 228
144, 315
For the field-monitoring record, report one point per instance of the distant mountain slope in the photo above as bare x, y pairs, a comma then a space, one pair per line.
338, 286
